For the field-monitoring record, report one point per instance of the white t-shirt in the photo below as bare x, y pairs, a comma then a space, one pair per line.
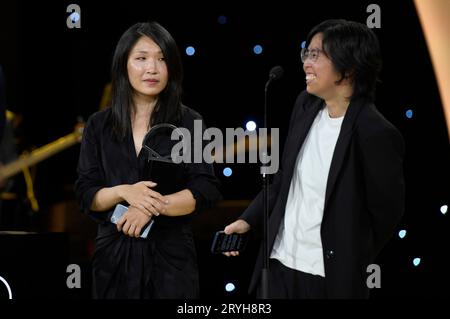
298, 244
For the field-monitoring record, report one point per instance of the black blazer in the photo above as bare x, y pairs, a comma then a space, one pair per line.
364, 198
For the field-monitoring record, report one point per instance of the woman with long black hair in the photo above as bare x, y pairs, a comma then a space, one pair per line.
146, 92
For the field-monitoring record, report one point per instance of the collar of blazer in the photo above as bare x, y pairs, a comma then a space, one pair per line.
305, 118
343, 141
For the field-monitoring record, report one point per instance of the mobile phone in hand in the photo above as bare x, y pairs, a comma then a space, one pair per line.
225, 243
118, 213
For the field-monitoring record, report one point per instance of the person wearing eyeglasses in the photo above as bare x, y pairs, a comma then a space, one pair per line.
146, 93
340, 192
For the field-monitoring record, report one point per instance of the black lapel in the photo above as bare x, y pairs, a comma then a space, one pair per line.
342, 144
301, 128
303, 122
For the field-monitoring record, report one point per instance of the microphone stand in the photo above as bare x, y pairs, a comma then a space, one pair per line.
265, 182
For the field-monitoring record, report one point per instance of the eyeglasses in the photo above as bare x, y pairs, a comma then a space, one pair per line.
310, 54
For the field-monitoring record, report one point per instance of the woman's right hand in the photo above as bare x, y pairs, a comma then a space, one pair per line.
132, 222
240, 226
141, 196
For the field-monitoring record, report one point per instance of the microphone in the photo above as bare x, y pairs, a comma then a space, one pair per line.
276, 72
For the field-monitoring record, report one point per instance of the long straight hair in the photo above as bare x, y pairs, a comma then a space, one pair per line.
168, 106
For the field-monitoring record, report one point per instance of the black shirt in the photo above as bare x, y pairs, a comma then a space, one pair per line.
164, 264
105, 162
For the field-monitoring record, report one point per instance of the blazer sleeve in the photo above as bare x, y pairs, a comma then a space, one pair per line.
254, 213
382, 158
90, 177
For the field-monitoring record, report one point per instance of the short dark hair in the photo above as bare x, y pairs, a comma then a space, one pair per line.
167, 109
354, 50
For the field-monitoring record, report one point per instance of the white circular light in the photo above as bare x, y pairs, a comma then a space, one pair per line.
229, 287
75, 16
257, 49
190, 50
444, 209
227, 171
251, 126
409, 114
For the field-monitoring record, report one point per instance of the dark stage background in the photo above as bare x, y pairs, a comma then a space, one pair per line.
55, 75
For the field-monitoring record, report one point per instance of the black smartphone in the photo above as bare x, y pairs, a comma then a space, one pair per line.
224, 243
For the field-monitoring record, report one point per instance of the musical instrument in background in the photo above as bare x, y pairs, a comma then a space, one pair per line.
41, 153
26, 160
